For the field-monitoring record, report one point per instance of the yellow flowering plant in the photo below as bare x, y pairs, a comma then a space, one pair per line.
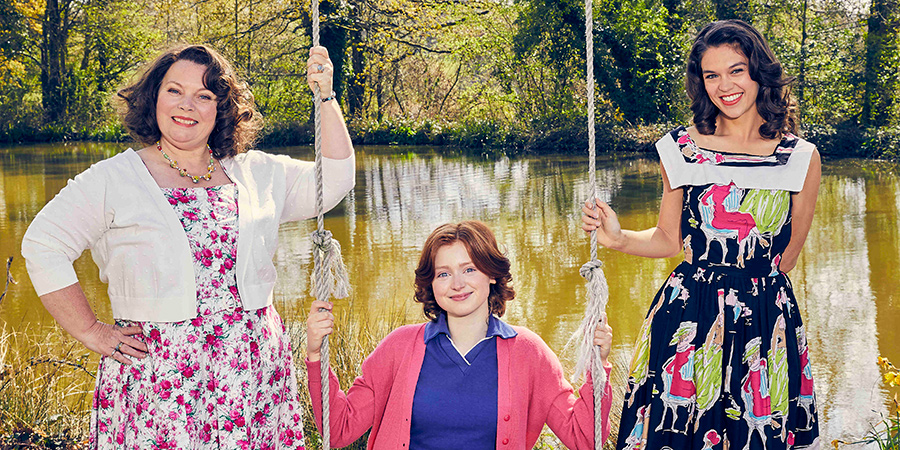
887, 433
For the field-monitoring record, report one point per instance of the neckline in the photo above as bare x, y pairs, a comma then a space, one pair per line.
200, 187
778, 147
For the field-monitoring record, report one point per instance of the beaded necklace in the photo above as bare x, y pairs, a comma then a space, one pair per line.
183, 172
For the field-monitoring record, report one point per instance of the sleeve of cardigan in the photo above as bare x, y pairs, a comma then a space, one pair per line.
353, 412
338, 178
572, 418
67, 225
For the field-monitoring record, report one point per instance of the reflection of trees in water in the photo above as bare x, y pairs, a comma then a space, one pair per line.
532, 205
838, 305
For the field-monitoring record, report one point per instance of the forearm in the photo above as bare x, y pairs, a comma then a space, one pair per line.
70, 307
350, 414
573, 421
650, 243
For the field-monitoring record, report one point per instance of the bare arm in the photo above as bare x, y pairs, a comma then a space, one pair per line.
802, 210
335, 137
661, 241
69, 306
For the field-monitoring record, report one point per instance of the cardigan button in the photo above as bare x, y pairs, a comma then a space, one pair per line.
505, 441
506, 418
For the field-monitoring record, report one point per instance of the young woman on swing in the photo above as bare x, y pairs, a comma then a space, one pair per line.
721, 360
464, 379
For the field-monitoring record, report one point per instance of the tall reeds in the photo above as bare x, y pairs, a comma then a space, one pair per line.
45, 390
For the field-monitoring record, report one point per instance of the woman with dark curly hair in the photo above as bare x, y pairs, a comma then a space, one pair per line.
465, 379
184, 231
721, 360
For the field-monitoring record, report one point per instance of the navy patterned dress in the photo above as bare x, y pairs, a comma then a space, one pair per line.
721, 360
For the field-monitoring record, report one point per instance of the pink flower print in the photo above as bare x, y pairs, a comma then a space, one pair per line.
223, 237
228, 426
173, 415
233, 290
191, 216
101, 426
120, 438
720, 158
218, 253
222, 270
684, 139
197, 321
228, 264
207, 253
173, 201
206, 262
213, 235
216, 283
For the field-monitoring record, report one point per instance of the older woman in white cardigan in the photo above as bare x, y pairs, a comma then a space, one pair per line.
184, 231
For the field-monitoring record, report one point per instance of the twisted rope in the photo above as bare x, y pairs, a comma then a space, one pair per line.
597, 288
329, 276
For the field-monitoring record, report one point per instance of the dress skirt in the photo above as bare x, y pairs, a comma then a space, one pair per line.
222, 380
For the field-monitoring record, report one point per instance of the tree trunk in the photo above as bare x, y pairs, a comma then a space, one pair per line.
801, 77
880, 70
53, 64
356, 88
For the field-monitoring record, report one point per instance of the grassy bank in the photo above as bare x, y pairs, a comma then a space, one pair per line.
844, 140
46, 387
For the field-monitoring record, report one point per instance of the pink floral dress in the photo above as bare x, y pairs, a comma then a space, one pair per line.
223, 380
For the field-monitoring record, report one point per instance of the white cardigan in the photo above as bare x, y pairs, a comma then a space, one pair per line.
116, 209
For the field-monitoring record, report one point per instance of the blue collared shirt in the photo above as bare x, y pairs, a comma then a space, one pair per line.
455, 405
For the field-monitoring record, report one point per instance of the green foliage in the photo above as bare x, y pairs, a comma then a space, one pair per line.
478, 74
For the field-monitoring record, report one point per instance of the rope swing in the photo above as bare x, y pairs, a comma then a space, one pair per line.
592, 271
329, 276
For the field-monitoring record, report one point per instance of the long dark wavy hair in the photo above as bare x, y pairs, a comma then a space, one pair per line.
237, 121
481, 244
773, 102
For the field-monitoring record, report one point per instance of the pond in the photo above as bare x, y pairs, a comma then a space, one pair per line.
847, 279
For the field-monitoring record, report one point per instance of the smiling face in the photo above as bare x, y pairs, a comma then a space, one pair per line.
459, 287
726, 77
185, 108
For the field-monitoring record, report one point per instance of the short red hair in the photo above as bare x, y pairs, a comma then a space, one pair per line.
481, 244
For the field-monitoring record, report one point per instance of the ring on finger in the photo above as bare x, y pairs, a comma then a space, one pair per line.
117, 348
320, 68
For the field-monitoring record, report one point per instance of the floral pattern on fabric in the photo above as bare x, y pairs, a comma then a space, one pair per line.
223, 380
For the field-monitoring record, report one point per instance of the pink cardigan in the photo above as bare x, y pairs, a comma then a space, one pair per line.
531, 391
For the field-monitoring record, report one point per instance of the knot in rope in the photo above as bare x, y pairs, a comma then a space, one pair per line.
320, 239
591, 270
330, 275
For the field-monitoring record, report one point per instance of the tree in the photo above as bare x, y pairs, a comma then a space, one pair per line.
55, 28
882, 53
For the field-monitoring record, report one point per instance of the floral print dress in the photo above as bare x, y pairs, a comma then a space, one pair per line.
222, 380
721, 360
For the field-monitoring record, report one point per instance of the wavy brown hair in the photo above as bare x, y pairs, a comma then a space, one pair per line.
237, 121
773, 102
481, 244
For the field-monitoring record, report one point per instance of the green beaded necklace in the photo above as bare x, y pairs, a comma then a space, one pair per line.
183, 172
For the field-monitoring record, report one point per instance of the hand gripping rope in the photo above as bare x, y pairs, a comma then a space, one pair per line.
329, 276
597, 289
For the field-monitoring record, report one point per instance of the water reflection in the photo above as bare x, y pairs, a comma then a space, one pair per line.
846, 279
